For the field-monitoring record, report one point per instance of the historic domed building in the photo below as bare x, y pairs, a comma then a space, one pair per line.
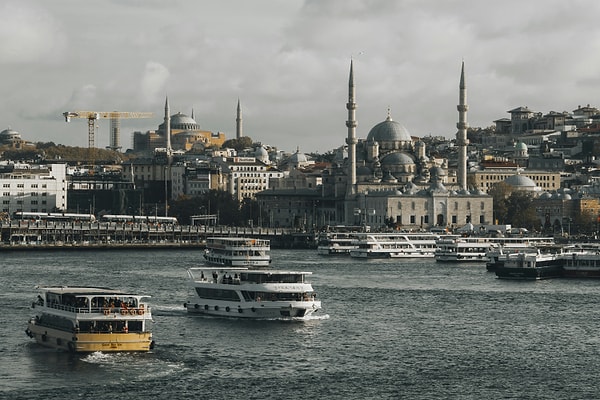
185, 134
12, 138
390, 177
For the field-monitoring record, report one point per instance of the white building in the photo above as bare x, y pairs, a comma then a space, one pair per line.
33, 188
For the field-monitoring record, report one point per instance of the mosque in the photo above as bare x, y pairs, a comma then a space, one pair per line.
390, 179
184, 134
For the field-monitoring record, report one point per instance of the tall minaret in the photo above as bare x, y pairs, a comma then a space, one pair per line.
168, 125
461, 135
351, 124
238, 122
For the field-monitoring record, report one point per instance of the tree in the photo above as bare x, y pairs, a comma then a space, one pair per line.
238, 144
500, 192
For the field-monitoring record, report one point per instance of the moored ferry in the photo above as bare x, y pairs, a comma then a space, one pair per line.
247, 293
582, 263
456, 248
395, 245
497, 252
238, 251
335, 243
89, 319
536, 265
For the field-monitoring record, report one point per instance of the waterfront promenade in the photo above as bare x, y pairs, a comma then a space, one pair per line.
44, 235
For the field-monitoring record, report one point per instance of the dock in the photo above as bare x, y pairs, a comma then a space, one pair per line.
48, 235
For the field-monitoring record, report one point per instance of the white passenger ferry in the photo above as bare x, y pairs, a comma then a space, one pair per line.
395, 245
89, 319
456, 248
238, 252
581, 262
246, 293
336, 243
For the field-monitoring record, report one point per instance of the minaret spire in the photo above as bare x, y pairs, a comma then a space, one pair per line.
351, 125
238, 121
167, 125
461, 135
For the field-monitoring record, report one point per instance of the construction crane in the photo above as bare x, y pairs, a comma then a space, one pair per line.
114, 116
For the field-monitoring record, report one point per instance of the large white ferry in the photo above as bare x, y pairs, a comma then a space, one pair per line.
238, 251
395, 245
456, 248
246, 293
336, 243
89, 319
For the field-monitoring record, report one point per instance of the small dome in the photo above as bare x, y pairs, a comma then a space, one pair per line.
298, 158
521, 146
546, 196
397, 159
389, 131
261, 152
520, 181
364, 171
437, 171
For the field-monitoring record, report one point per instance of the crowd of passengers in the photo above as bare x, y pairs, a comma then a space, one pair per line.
83, 302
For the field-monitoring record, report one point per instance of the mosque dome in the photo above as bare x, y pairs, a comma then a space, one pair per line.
8, 134
182, 121
397, 158
261, 154
520, 146
298, 158
364, 171
520, 181
546, 196
389, 131
437, 171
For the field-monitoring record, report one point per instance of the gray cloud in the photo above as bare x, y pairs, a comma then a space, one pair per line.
288, 63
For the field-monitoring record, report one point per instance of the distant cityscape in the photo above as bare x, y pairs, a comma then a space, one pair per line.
386, 180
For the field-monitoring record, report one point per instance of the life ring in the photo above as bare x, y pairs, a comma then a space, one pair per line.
196, 306
106, 312
28, 332
123, 311
141, 311
132, 311
216, 308
240, 310
227, 308
206, 306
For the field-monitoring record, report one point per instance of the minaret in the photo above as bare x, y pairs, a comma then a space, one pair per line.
351, 124
461, 135
238, 122
168, 126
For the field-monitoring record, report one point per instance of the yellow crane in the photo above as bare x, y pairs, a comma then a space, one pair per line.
114, 116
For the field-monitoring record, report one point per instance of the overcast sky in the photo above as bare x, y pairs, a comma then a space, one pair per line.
288, 62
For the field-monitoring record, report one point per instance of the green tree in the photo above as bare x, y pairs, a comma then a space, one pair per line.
238, 144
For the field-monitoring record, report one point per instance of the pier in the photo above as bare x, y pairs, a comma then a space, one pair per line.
48, 235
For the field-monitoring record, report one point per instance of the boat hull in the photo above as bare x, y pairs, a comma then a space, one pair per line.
581, 273
547, 272
90, 342
257, 310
